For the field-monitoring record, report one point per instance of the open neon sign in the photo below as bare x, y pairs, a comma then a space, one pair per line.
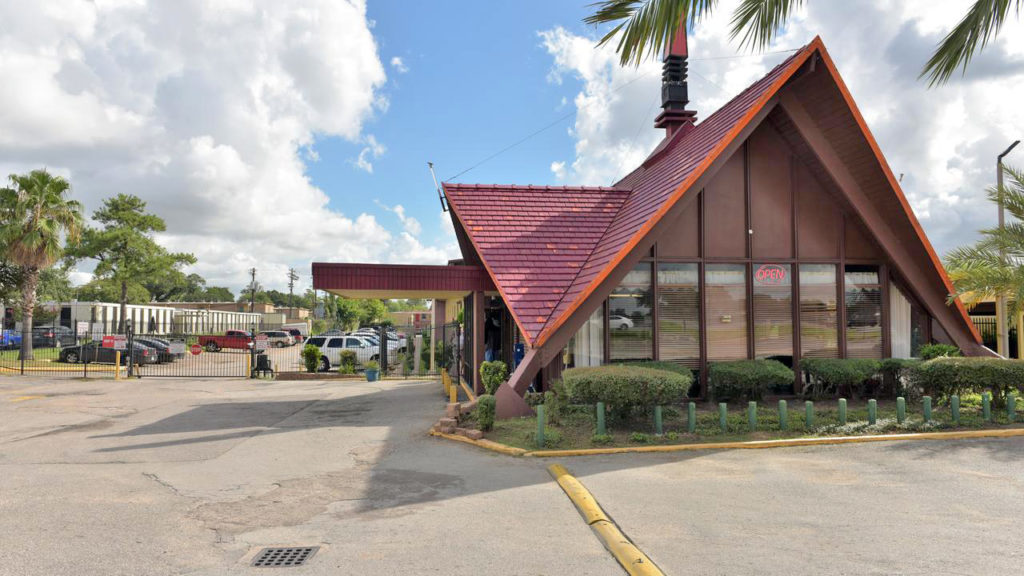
771, 274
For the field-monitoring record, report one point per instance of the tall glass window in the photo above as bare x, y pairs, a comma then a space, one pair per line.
630, 319
863, 312
773, 312
679, 313
725, 293
819, 297
586, 347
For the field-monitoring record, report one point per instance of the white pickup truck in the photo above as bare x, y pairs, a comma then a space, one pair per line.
331, 347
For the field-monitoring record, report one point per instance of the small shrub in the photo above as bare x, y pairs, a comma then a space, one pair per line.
347, 362
835, 375
932, 351
746, 379
640, 438
896, 375
601, 439
668, 367
671, 436
940, 378
534, 399
492, 374
556, 402
372, 365
624, 388
485, 408
311, 357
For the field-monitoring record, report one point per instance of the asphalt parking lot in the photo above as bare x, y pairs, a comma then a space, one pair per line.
172, 476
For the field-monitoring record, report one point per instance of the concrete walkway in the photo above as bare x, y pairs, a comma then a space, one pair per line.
191, 477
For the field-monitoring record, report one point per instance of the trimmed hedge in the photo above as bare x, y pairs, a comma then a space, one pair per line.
896, 375
746, 379
623, 388
485, 409
835, 375
932, 351
945, 376
657, 365
492, 375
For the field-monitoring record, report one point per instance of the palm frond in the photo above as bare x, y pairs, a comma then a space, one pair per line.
980, 24
759, 20
645, 27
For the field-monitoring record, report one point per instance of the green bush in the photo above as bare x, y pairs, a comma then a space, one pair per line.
347, 362
932, 351
311, 357
746, 379
485, 407
896, 374
372, 365
556, 402
668, 367
640, 438
492, 374
601, 439
943, 377
534, 399
836, 375
624, 388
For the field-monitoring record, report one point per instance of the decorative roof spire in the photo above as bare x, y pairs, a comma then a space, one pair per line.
674, 97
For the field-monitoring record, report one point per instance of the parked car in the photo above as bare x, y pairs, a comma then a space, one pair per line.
396, 343
94, 352
331, 347
296, 334
52, 336
298, 330
9, 340
278, 338
161, 347
232, 339
616, 322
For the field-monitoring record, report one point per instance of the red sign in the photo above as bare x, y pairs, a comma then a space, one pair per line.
771, 274
116, 341
195, 349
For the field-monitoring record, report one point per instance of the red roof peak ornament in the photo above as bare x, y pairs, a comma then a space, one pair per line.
674, 97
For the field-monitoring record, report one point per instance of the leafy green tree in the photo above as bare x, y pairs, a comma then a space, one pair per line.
36, 217
124, 246
109, 290
55, 284
994, 266
218, 294
646, 26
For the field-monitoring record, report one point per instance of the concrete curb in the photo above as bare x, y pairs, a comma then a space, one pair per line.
632, 559
749, 445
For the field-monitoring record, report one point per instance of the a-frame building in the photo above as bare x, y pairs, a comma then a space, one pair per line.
773, 228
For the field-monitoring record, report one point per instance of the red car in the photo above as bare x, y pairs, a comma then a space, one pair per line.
231, 340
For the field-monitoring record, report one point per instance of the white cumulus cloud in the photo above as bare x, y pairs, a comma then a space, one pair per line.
208, 110
399, 65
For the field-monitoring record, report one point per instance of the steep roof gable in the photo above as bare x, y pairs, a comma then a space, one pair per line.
533, 240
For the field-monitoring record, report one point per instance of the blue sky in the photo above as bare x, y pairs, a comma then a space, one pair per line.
470, 90
251, 125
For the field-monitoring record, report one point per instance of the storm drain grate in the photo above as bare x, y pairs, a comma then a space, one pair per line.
284, 557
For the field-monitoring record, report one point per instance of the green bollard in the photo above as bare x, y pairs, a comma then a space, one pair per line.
722, 410
691, 417
954, 409
808, 414
540, 426
901, 409
783, 416
658, 429
1011, 407
601, 429
872, 411
986, 406
842, 411
752, 416
927, 408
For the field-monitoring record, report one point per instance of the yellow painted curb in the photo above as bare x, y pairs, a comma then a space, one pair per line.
24, 398
632, 559
485, 444
784, 443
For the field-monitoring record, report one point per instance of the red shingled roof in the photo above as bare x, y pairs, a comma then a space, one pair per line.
533, 239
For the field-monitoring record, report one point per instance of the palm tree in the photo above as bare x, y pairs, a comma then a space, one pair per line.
647, 26
36, 217
994, 266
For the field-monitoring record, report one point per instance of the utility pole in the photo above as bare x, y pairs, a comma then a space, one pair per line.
1003, 336
252, 290
292, 277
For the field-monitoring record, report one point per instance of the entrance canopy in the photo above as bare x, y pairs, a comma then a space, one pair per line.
391, 281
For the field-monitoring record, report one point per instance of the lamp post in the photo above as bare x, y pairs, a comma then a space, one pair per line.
1003, 336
